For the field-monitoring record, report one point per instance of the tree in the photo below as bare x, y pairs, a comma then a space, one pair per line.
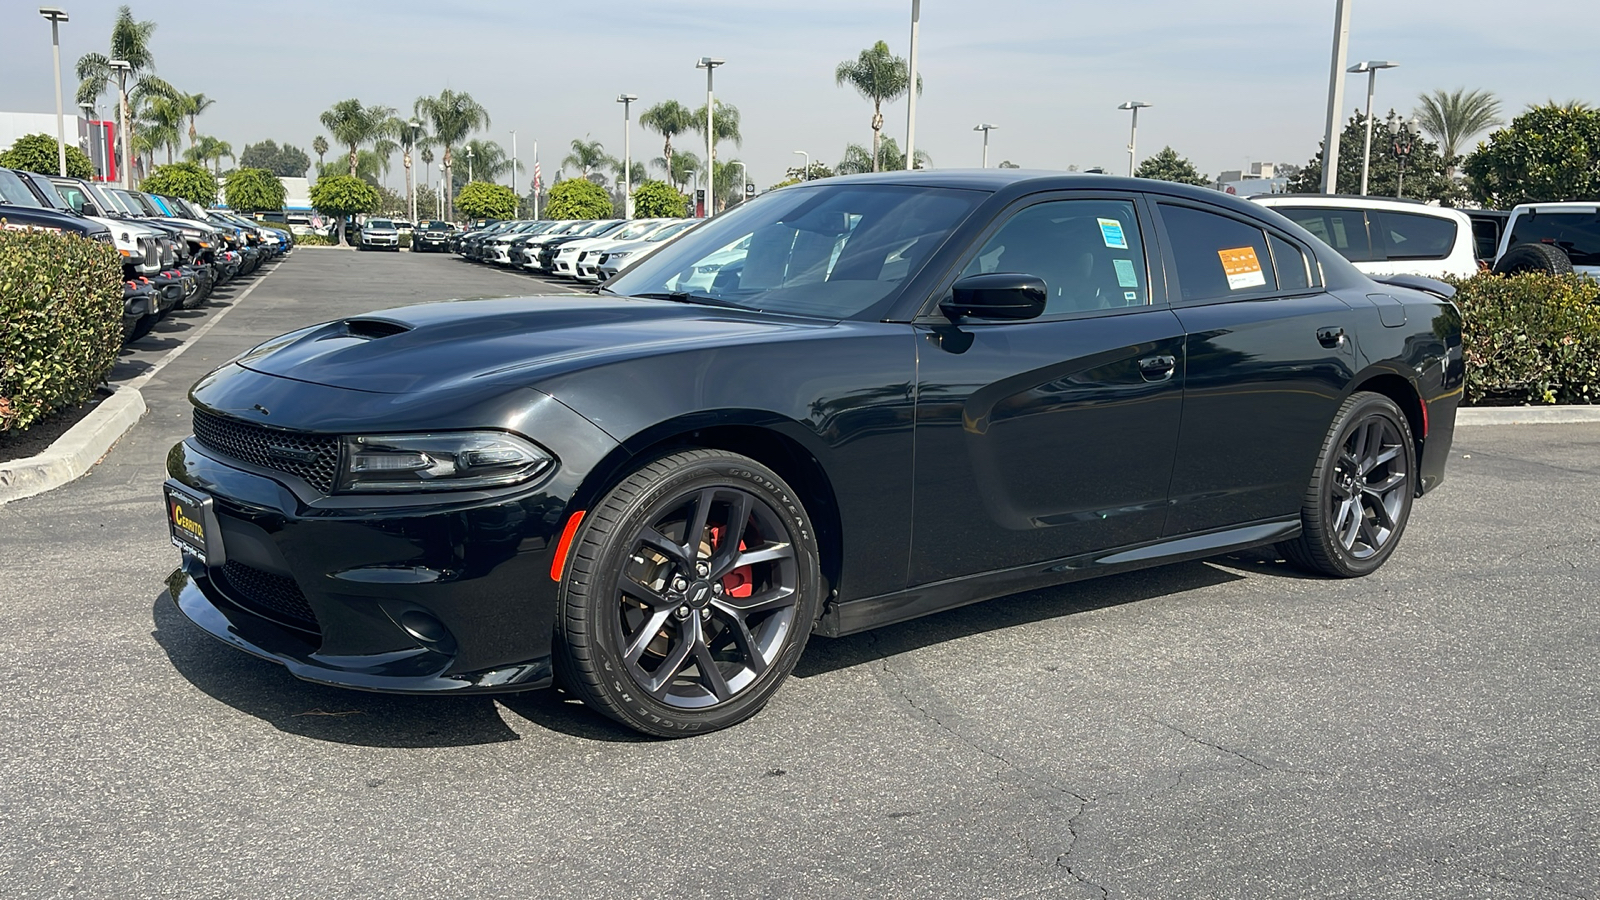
586, 156
482, 200
880, 76
1007, 164
1168, 166
658, 200
160, 115
668, 119
1425, 178
353, 124
343, 195
812, 172
37, 153
489, 160
730, 181
1455, 118
319, 146
724, 126
192, 105
427, 160
410, 138
130, 42
451, 116
188, 180
249, 190
287, 161
427, 202
578, 198
858, 159
678, 168
208, 149
1547, 153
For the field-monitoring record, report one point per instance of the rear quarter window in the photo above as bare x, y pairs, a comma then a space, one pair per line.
1416, 236
1577, 234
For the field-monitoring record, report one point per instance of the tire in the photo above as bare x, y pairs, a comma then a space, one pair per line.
1344, 541
141, 328
635, 619
1544, 258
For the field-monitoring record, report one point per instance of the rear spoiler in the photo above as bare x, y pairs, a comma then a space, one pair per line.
1418, 283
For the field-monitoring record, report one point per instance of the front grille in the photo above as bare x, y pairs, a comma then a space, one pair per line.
312, 457
277, 596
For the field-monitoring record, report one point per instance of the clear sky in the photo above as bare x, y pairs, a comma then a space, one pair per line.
1231, 81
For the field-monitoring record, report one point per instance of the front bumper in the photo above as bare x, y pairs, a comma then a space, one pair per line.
447, 592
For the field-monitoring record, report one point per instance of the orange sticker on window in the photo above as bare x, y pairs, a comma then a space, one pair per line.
1242, 268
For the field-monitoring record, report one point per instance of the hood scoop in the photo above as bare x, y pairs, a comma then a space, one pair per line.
373, 329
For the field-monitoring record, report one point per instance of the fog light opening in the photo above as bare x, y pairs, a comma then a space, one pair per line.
428, 630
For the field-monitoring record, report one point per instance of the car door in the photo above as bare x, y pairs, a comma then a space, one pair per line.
1048, 438
1268, 354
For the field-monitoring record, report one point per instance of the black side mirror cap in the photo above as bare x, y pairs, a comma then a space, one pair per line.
997, 295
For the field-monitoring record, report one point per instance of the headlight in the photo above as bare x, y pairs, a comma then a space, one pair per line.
125, 238
610, 256
439, 462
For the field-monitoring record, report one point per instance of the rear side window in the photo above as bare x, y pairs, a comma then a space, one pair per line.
1295, 270
1415, 236
1577, 234
1486, 238
1345, 230
1217, 257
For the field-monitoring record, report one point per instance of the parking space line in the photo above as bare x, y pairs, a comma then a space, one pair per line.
199, 333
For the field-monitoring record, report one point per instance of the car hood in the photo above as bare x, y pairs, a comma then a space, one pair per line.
519, 341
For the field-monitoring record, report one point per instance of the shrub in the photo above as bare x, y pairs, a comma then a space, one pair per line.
482, 200
578, 198
60, 322
658, 200
249, 190
37, 153
1530, 339
313, 240
191, 181
343, 195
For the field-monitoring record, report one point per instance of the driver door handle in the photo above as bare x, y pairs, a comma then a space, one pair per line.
1330, 337
1158, 368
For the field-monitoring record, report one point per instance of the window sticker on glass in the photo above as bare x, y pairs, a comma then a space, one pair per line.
1111, 231
1242, 268
1131, 296
1126, 276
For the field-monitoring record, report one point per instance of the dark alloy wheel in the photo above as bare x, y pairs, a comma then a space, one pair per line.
1360, 495
689, 594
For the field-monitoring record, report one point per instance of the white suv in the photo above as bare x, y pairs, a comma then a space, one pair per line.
1551, 237
1384, 236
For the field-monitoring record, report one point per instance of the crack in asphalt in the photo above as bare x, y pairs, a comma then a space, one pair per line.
1500, 876
899, 681
1218, 747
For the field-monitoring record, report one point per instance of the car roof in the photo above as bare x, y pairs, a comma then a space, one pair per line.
1559, 206
1336, 201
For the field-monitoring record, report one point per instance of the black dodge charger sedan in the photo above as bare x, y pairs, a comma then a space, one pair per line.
842, 405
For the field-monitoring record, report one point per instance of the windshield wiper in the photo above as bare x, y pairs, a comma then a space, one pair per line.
686, 297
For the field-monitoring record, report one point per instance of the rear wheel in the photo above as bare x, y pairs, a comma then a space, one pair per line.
1534, 258
1359, 499
690, 593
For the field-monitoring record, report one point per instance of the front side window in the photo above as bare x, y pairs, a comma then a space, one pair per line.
831, 251
14, 192
1416, 236
1217, 257
1576, 233
1345, 230
1088, 252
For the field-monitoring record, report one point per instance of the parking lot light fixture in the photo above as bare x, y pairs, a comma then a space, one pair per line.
911, 92
411, 181
627, 154
1133, 135
56, 17
985, 128
123, 67
1403, 135
805, 173
469, 165
1370, 67
710, 63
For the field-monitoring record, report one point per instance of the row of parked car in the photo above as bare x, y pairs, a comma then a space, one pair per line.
584, 250
174, 253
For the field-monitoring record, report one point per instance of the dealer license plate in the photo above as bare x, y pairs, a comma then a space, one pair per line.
187, 514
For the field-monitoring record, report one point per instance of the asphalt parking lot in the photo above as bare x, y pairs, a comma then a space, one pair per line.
1226, 728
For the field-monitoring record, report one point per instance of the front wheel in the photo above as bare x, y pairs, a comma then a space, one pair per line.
1359, 499
689, 595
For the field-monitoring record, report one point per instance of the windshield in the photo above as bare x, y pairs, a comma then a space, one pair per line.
14, 192
669, 231
380, 223
1576, 233
831, 251
52, 197
438, 226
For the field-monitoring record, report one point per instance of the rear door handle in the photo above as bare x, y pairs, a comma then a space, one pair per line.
1330, 337
1157, 368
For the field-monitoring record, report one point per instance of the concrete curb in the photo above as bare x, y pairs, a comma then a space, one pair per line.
1528, 415
75, 452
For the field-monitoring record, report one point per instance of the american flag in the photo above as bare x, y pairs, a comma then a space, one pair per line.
538, 178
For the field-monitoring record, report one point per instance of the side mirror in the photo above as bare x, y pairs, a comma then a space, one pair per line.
996, 295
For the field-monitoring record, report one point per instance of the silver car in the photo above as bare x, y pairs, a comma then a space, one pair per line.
379, 234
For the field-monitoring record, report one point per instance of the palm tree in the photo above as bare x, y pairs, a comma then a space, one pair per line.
161, 117
353, 124
427, 160
586, 155
879, 76
1453, 118
193, 105
130, 41
858, 159
489, 160
679, 169
669, 119
409, 139
729, 183
206, 149
724, 125
452, 116
319, 146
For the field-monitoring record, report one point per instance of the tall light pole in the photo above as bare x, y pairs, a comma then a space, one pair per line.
710, 65
985, 128
1370, 67
627, 154
469, 165
1133, 135
1330, 141
56, 17
805, 174
538, 178
513, 162
911, 90
123, 67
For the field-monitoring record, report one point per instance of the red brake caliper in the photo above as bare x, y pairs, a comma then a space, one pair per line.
741, 581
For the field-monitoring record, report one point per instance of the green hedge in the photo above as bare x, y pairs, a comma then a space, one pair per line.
1530, 339
60, 322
